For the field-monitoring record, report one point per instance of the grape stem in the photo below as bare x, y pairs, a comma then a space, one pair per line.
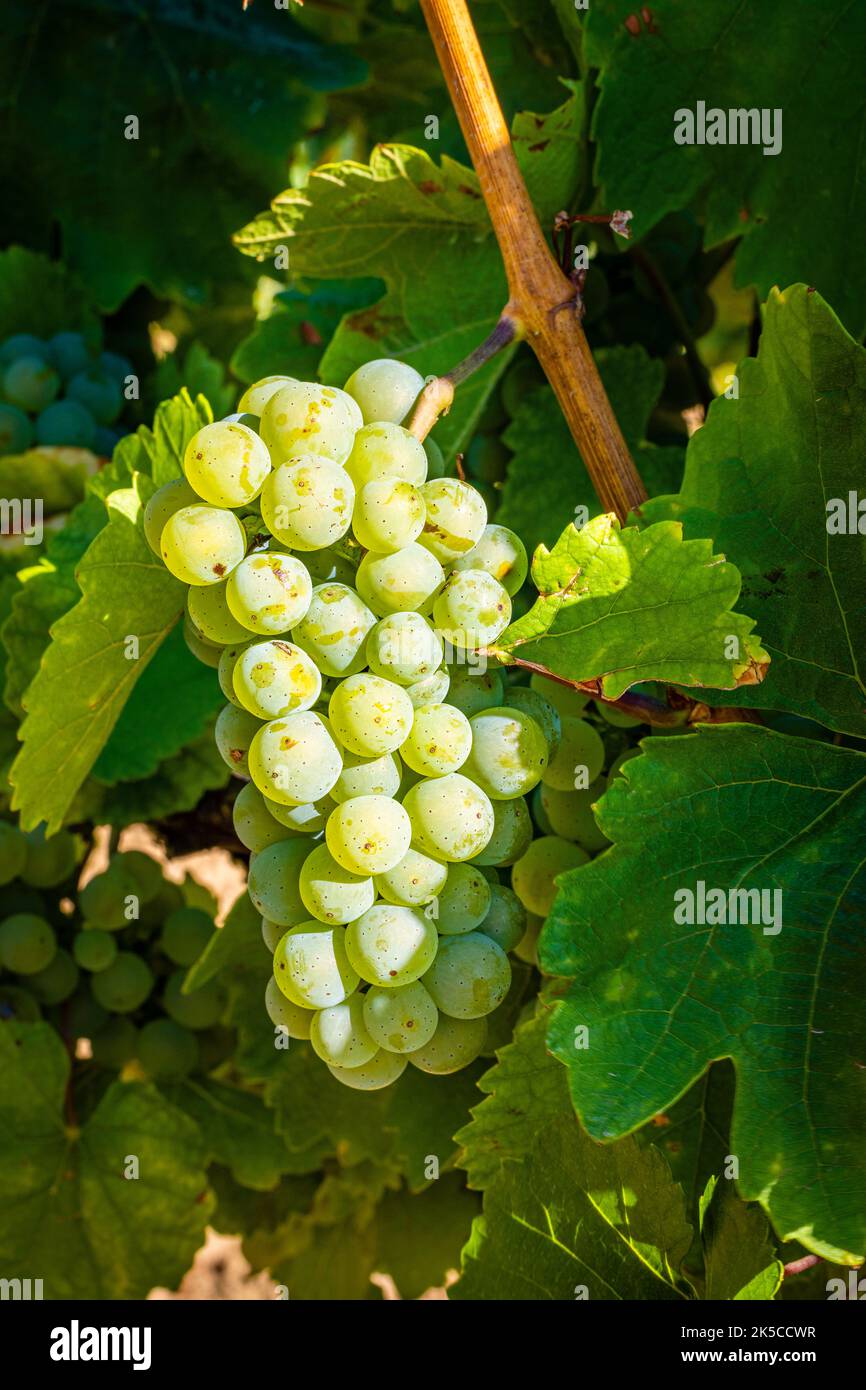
436, 398
537, 287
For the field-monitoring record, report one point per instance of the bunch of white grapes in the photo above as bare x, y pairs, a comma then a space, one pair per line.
346, 592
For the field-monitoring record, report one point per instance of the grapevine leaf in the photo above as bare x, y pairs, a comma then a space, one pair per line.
177, 785
761, 495
41, 297
629, 605
156, 452
236, 1128
735, 807
697, 53
239, 939
199, 374
72, 1215
739, 1257
419, 1236
293, 335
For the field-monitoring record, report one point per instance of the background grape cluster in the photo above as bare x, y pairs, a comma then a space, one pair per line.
61, 392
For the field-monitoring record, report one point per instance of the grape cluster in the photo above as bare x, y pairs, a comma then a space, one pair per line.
106, 963
346, 591
59, 392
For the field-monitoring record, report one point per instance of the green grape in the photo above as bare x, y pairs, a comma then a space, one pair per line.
617, 764
439, 741
509, 753
293, 1020
339, 1034
505, 922
415, 881
185, 934
234, 733
51, 859
400, 1020
212, 618
275, 678
334, 630
94, 950
527, 948
155, 910
430, 690
256, 397
27, 944
295, 760
110, 900
404, 648
115, 366
570, 814
539, 815
409, 579
564, 698
208, 653
272, 931
452, 818
391, 945
13, 852
463, 903
512, 832
617, 718
579, 757
30, 383
269, 592
16, 431
332, 893
18, 1005
456, 518
368, 777
201, 544
368, 834
470, 976
385, 389
226, 464
115, 1044
546, 715
534, 875
146, 871
307, 819
125, 985
307, 503
312, 967
331, 565
274, 880
474, 688
456, 1043
228, 659
472, 609
389, 513
304, 418
97, 392
201, 1008
166, 1050
435, 458
68, 351
253, 823
501, 553
370, 715
67, 424
383, 1069
27, 345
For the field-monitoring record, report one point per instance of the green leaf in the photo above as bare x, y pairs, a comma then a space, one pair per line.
296, 330
199, 374
419, 1236
698, 54
177, 785
740, 1259
41, 297
760, 491
69, 1215
157, 452
239, 939
734, 807
236, 1128
630, 606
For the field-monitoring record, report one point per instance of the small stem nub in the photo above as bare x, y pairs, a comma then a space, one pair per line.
436, 398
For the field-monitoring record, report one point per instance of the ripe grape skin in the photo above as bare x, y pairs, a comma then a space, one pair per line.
234, 732
68, 351
28, 345
30, 383
539, 708
57, 981
368, 776
312, 968
473, 689
125, 985
334, 630
94, 950
228, 659
226, 464
617, 718
564, 698
66, 423
370, 715
208, 653
439, 741
256, 397
389, 514
185, 934
16, 431
273, 932
305, 418
509, 753
533, 875
571, 817
339, 1034
400, 1020
580, 748
27, 943
512, 832
386, 451
413, 882
104, 899
456, 518
274, 880
470, 976
332, 893
368, 834
455, 1044
452, 818
505, 921
390, 945
293, 1019
501, 553
253, 823
404, 648
163, 504
202, 544
472, 610
464, 901
307, 503
306, 819
211, 617
295, 760
383, 1069
166, 1050
269, 592
385, 389
408, 579
430, 690
275, 678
